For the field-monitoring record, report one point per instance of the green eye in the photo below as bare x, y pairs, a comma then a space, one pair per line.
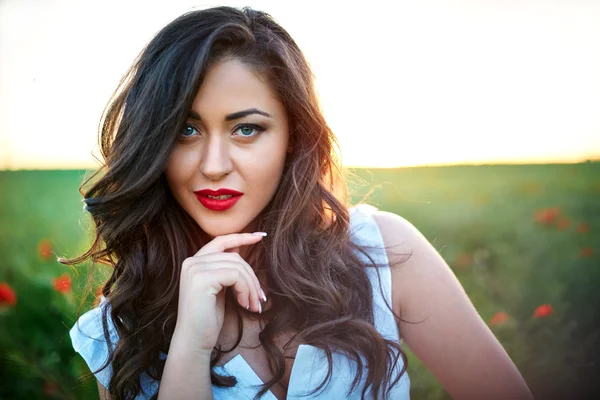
189, 131
247, 130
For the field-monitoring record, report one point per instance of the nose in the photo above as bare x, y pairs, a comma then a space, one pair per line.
216, 161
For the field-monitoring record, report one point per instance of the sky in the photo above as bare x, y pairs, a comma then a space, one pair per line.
402, 83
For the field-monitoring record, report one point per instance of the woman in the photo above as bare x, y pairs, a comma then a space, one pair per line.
216, 133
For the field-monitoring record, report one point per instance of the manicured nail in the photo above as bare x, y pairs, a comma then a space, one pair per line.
260, 233
259, 308
248, 306
262, 292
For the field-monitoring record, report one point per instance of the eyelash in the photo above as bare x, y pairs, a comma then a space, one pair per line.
257, 128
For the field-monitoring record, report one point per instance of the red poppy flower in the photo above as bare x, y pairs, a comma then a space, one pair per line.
50, 388
546, 216
45, 249
62, 284
7, 295
499, 318
586, 252
563, 223
545, 310
463, 260
583, 227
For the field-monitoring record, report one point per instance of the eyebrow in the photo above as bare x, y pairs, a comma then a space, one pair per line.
235, 115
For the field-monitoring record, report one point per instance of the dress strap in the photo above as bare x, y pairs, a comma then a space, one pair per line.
365, 231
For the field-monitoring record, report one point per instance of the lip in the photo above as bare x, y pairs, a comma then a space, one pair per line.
215, 204
218, 192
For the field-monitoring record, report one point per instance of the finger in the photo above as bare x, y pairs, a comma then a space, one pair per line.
253, 276
235, 278
222, 243
236, 250
233, 250
210, 258
251, 297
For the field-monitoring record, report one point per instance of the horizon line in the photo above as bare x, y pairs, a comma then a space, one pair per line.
449, 164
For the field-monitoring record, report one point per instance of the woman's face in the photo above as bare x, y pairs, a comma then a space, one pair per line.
219, 149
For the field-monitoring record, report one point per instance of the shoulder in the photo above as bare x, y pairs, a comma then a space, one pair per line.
87, 339
437, 317
420, 276
89, 328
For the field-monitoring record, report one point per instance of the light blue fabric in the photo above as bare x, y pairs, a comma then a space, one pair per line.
310, 366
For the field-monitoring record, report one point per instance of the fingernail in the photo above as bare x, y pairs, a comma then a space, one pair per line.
260, 233
262, 292
259, 308
248, 306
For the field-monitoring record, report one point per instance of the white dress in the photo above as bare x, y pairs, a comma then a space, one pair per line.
310, 366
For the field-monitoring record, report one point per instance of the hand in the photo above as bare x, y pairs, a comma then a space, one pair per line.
203, 280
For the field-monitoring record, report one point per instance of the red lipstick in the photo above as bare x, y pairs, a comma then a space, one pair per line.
218, 204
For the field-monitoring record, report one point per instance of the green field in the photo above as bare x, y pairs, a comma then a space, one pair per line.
517, 237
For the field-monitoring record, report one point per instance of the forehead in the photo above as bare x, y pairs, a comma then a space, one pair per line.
230, 86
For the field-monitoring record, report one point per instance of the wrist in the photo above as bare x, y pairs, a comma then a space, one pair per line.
183, 341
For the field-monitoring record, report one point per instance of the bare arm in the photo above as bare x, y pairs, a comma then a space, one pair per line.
186, 375
453, 341
201, 310
187, 371
103, 392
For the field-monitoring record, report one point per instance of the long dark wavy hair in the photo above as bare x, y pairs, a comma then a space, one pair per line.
319, 285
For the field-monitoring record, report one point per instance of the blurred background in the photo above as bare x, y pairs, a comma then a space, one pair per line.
476, 120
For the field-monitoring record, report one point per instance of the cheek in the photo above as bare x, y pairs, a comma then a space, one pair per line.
178, 170
272, 155
267, 162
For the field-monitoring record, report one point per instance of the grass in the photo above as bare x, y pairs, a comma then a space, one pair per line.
517, 237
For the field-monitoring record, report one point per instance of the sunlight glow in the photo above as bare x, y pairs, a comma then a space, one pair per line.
410, 84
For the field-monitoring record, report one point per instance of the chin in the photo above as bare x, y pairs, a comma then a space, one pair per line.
216, 229
217, 232
218, 224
